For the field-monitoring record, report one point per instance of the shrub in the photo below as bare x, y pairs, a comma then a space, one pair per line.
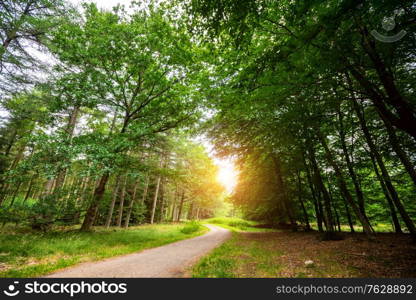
233, 222
191, 227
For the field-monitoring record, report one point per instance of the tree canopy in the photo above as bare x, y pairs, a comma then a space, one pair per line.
313, 101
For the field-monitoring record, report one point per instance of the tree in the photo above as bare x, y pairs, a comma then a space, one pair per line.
24, 25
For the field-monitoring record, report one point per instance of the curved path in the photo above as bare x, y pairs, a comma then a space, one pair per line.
166, 261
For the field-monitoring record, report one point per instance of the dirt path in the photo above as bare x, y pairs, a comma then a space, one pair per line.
166, 261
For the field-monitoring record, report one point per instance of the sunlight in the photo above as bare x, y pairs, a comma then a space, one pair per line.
227, 175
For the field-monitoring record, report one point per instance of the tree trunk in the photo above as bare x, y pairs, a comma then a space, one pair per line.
403, 107
394, 142
386, 177
162, 202
12, 33
404, 122
30, 187
93, 208
18, 156
122, 198
132, 201
174, 203
16, 191
314, 196
358, 191
347, 212
283, 193
395, 220
155, 199
113, 202
146, 188
343, 185
337, 217
321, 210
191, 211
72, 121
329, 220
305, 213
49, 187
178, 217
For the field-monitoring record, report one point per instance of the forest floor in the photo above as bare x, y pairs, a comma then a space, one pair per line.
25, 253
284, 253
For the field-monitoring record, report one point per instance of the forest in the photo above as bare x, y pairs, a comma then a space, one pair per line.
106, 114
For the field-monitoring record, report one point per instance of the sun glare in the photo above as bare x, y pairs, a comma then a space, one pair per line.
227, 175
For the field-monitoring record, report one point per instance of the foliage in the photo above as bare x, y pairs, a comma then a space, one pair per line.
191, 227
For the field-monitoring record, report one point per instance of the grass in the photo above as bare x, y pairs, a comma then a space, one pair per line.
284, 254
237, 224
238, 258
29, 254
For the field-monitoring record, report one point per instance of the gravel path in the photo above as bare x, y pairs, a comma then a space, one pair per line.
170, 260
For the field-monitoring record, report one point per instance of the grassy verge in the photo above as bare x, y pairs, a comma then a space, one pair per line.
237, 225
238, 258
235, 258
286, 254
28, 254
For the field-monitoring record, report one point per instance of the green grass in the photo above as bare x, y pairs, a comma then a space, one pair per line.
28, 254
238, 258
191, 227
261, 255
237, 224
283, 254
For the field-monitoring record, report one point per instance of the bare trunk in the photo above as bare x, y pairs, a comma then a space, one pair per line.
405, 123
15, 193
122, 198
49, 187
131, 205
152, 217
174, 203
146, 189
314, 196
30, 187
178, 217
72, 121
329, 220
347, 212
113, 202
386, 177
283, 193
162, 201
93, 208
342, 184
353, 175
395, 220
305, 213
394, 142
